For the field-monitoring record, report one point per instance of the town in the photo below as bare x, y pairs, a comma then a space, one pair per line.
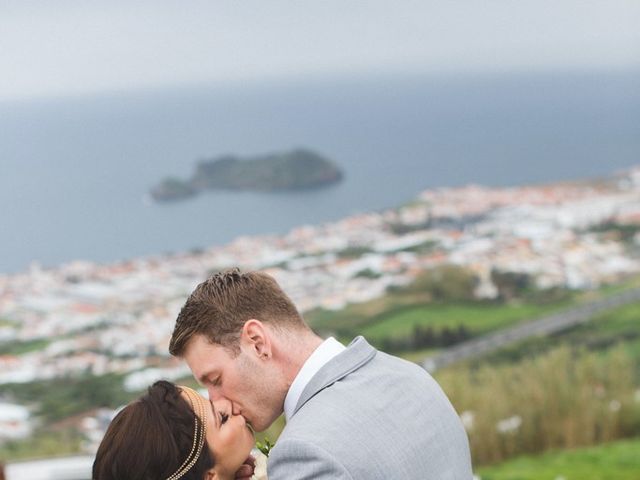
88, 318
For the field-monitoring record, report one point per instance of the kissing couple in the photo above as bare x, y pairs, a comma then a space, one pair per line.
351, 412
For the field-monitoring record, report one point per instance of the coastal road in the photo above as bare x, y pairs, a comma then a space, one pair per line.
538, 327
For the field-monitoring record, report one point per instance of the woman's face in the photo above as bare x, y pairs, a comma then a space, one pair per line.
228, 437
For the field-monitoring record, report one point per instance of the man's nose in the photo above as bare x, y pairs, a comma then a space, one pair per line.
214, 394
224, 404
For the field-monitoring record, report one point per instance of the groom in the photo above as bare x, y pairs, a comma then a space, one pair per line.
352, 412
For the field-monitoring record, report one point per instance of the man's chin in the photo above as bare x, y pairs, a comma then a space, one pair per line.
260, 424
258, 427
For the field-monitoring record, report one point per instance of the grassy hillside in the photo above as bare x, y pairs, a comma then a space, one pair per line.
620, 326
477, 317
612, 461
397, 314
392, 321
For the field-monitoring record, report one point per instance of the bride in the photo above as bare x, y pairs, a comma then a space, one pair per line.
173, 433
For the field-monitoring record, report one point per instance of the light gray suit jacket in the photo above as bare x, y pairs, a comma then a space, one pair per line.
368, 415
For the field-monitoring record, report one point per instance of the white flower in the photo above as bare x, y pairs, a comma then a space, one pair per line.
509, 425
614, 405
260, 472
467, 418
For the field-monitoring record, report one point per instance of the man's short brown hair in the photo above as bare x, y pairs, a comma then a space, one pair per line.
219, 307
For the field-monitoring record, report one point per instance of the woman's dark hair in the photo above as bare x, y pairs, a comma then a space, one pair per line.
150, 438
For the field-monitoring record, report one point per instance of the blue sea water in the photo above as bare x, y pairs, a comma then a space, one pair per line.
74, 172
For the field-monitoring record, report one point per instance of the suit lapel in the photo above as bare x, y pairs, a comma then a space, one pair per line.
357, 354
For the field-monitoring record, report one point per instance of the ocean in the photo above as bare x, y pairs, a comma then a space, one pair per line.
74, 173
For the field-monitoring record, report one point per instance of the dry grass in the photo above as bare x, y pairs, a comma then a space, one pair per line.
563, 399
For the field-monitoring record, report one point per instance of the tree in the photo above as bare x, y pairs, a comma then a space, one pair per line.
510, 284
446, 283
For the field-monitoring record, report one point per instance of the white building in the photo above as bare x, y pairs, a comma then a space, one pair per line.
14, 421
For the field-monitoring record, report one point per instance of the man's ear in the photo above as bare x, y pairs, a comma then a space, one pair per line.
256, 338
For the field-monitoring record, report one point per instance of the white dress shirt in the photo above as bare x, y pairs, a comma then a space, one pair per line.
318, 359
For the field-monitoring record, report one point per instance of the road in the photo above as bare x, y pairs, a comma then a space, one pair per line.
538, 327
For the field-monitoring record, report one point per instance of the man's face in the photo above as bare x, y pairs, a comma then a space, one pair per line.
252, 385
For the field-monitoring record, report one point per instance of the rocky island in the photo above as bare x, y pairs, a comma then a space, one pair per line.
298, 169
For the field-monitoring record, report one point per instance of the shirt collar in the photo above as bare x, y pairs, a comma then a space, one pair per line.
318, 359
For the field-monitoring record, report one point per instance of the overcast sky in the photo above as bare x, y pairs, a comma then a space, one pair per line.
62, 47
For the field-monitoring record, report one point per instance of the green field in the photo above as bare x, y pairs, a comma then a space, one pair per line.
20, 348
623, 321
44, 443
391, 322
396, 315
478, 318
612, 461
620, 326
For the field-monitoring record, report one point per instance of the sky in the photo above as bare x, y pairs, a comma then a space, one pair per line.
66, 48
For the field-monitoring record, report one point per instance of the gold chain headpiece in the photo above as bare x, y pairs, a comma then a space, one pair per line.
199, 434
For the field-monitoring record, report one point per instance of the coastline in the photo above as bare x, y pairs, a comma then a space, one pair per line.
446, 132
84, 318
